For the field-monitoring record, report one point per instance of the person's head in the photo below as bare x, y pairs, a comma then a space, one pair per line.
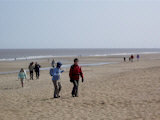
59, 64
22, 70
36, 63
76, 61
32, 63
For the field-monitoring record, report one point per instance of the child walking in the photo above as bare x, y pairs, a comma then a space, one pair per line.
22, 76
56, 73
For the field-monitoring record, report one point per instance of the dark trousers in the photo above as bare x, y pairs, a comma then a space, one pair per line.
31, 75
75, 88
37, 74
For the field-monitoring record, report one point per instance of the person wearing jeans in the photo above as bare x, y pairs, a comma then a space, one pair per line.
56, 73
75, 72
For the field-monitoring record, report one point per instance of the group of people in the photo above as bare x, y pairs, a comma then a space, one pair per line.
131, 58
74, 74
33, 68
22, 75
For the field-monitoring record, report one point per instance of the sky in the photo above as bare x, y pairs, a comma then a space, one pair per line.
79, 24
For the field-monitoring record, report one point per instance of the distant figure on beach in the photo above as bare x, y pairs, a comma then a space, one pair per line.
75, 72
124, 59
53, 63
132, 57
31, 68
37, 70
138, 57
56, 74
22, 76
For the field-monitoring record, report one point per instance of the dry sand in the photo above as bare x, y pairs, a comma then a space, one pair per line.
123, 91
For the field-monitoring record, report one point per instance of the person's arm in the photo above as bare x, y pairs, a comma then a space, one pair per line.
62, 71
25, 74
81, 74
70, 73
51, 71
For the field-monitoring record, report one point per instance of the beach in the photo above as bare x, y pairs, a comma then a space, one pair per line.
120, 91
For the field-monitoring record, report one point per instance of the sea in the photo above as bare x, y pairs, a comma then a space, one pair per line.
23, 54
28, 54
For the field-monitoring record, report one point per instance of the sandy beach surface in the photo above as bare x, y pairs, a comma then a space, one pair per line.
122, 91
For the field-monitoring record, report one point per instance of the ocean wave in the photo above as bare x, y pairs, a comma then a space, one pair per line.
31, 58
51, 56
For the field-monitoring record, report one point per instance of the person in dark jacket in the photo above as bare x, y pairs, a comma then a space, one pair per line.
75, 72
124, 59
37, 70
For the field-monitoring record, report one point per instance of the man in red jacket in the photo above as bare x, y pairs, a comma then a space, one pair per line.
75, 72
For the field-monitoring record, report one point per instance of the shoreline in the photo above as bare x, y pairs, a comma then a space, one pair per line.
15, 66
71, 56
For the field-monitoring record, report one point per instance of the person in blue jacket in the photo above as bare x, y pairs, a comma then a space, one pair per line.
56, 74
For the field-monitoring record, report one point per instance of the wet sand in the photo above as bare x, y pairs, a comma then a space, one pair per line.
123, 91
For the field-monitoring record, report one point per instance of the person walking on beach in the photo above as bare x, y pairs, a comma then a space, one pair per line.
37, 70
22, 76
124, 59
53, 63
75, 72
132, 57
31, 68
56, 73
138, 57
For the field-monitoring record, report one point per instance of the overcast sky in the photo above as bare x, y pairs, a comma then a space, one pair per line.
79, 24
